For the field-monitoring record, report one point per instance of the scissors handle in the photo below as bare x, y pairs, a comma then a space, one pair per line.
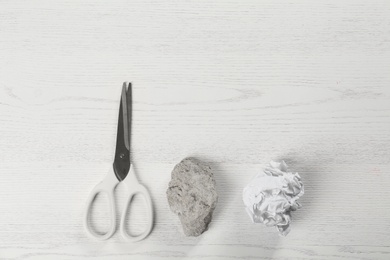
106, 186
134, 188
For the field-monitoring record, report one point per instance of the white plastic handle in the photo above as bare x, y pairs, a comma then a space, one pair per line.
106, 186
134, 187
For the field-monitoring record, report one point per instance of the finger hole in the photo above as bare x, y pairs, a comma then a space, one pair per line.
136, 216
99, 217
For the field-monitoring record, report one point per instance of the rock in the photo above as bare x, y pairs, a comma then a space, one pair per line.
192, 195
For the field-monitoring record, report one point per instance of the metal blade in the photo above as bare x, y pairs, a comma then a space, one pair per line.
122, 152
129, 104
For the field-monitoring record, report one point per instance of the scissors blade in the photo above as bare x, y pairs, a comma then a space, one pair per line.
122, 152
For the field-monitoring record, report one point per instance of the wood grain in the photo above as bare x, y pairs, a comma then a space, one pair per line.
234, 83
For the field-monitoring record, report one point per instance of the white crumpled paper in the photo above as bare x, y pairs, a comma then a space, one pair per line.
272, 195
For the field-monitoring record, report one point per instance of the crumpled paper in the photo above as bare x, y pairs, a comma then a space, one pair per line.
272, 195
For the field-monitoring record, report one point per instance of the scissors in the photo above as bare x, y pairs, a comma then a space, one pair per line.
122, 172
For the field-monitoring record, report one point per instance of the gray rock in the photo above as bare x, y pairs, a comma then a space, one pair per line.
192, 195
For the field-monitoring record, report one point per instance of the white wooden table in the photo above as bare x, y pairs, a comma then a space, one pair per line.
233, 83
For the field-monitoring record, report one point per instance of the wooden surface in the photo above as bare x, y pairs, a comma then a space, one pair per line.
233, 83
